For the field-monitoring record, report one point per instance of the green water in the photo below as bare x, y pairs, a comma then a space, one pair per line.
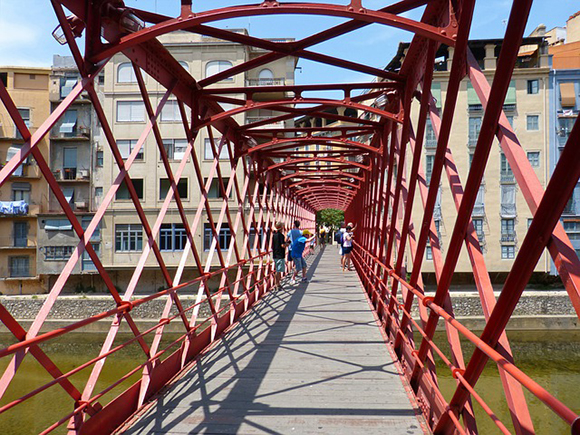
553, 360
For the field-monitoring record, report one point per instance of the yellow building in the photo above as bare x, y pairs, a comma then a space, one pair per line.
29, 89
501, 215
122, 234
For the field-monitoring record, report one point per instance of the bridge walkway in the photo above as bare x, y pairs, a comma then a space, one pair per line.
308, 359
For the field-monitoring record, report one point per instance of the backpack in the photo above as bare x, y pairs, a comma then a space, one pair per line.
338, 237
298, 247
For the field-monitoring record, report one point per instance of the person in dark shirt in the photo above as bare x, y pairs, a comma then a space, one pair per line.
279, 252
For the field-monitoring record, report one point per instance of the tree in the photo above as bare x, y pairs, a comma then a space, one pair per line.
330, 217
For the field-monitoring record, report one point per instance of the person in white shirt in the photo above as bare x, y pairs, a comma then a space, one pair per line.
347, 247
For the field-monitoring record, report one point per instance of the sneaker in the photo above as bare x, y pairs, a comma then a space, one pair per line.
292, 282
304, 279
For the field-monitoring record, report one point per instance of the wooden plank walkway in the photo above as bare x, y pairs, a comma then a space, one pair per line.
309, 359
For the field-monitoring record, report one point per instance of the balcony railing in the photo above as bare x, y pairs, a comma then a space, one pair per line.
266, 82
507, 177
508, 237
16, 242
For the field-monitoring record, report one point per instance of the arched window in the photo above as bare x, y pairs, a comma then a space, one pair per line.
266, 76
215, 66
125, 73
184, 65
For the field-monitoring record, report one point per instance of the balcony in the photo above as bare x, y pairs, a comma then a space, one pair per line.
277, 81
252, 119
17, 243
70, 132
507, 177
71, 174
508, 238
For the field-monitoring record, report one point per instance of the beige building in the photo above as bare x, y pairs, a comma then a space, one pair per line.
501, 215
25, 195
122, 235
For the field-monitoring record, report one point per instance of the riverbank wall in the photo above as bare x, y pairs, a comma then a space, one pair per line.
537, 310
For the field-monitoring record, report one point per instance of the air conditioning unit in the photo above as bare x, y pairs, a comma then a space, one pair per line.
81, 205
83, 174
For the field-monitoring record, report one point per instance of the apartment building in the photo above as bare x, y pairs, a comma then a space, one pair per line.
564, 108
121, 232
25, 196
500, 216
76, 161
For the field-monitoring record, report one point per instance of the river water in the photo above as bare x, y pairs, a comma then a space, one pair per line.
550, 358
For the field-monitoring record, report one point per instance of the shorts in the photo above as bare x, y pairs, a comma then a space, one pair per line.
346, 250
280, 264
300, 263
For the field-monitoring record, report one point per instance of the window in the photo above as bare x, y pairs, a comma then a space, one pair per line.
87, 263
126, 73
21, 192
184, 65
430, 139
506, 174
252, 238
175, 148
224, 237
533, 86
20, 234
478, 225
572, 228
170, 112
530, 222
164, 186
58, 253
474, 129
479, 206
130, 111
214, 189
19, 267
100, 158
510, 119
25, 114
429, 160
532, 122
508, 252
69, 123
266, 77
85, 222
98, 191
508, 233
172, 237
216, 66
126, 146
429, 253
508, 201
123, 191
208, 152
69, 159
128, 238
534, 158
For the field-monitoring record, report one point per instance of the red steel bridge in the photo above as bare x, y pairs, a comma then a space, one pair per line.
372, 171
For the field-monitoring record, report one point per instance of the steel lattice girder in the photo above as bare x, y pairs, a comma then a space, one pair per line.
374, 182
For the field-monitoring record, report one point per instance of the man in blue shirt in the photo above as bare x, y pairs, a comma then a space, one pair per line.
297, 244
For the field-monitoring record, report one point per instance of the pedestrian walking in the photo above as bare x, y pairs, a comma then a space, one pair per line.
347, 247
297, 243
279, 253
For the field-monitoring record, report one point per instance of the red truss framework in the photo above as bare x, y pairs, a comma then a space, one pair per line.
369, 167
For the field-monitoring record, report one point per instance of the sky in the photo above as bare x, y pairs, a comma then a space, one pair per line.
25, 39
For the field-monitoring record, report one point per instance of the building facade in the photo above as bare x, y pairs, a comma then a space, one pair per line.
122, 233
25, 197
564, 108
501, 215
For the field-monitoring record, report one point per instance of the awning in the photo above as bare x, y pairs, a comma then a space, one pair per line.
12, 151
69, 193
57, 225
511, 94
567, 94
472, 98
